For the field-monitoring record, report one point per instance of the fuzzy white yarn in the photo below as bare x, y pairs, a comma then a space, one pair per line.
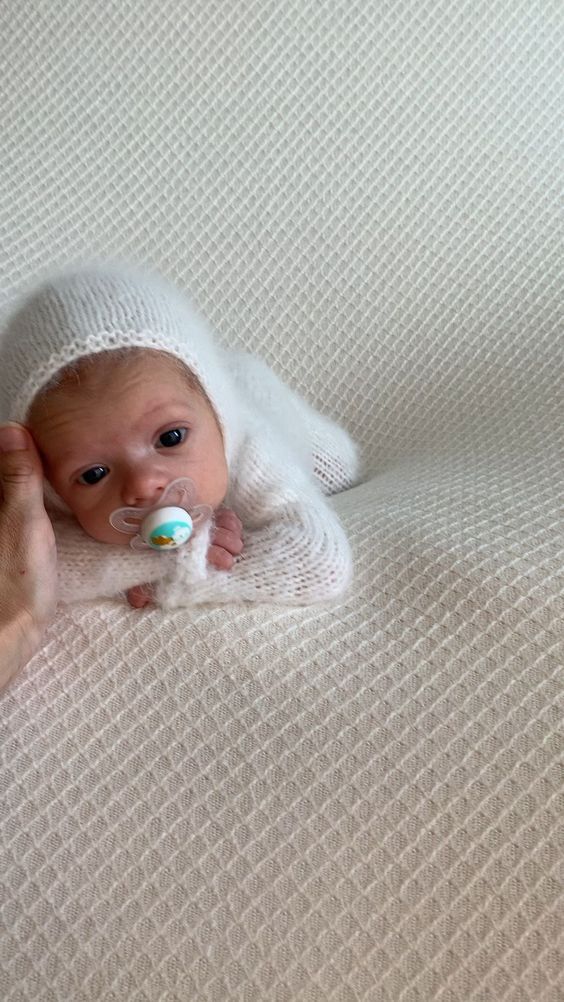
283, 456
99, 308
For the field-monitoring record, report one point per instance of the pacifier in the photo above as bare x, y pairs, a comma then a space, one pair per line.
166, 525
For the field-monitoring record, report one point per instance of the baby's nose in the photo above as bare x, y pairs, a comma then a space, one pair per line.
142, 490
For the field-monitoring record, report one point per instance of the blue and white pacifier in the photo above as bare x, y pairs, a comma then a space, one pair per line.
165, 526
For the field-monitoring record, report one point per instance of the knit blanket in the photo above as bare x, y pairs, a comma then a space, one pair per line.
362, 800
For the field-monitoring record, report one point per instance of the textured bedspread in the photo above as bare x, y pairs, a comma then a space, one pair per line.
356, 802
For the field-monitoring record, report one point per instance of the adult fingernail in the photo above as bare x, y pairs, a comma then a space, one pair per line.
12, 438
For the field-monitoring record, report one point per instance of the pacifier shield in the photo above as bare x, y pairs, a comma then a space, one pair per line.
163, 526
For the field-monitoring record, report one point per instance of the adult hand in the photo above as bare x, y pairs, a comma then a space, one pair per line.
28, 577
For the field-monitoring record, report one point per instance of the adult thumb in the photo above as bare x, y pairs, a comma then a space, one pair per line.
21, 473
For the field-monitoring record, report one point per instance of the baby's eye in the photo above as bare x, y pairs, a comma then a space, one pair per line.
93, 475
173, 437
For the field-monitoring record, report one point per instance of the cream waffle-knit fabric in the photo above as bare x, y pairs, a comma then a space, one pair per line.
355, 802
281, 455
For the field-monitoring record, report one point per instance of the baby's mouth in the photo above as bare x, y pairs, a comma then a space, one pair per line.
166, 525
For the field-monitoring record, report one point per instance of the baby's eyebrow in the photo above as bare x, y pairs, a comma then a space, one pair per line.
176, 405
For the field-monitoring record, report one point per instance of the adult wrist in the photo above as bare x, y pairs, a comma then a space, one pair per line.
19, 640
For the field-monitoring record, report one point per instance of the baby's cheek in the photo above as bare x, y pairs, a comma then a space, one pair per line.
96, 524
53, 497
62, 491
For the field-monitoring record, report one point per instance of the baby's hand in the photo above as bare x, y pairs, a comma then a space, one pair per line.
226, 541
140, 596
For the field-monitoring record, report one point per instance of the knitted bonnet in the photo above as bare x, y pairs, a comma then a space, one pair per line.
100, 308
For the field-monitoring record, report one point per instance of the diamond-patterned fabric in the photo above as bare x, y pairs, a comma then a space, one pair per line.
357, 802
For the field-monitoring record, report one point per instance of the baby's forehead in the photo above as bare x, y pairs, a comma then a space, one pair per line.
89, 381
145, 365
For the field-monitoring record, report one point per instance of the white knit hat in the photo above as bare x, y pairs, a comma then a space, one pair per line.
100, 308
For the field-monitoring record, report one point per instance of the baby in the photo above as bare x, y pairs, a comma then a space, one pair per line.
126, 394
115, 431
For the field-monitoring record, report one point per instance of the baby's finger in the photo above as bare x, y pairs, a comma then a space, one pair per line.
225, 518
229, 540
220, 558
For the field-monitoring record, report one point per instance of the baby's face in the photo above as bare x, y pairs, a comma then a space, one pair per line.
122, 434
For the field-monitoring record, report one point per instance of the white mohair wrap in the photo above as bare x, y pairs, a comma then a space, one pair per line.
283, 457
